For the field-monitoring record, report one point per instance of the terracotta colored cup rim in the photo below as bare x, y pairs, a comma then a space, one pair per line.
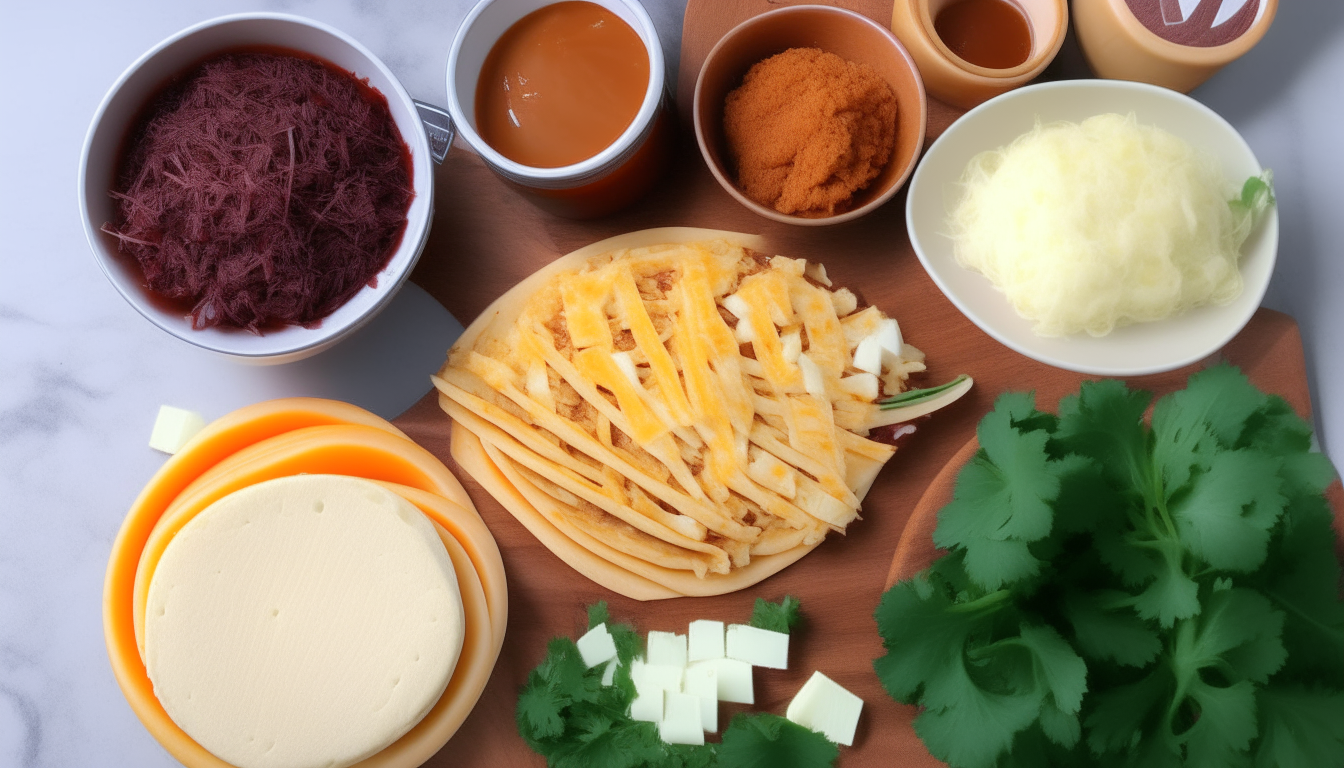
897, 49
1039, 59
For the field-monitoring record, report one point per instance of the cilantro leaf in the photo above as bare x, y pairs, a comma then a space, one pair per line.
1239, 632
1001, 501
1104, 421
1121, 714
1172, 595
1227, 515
1225, 726
1209, 414
776, 617
770, 741
1300, 578
1300, 726
1117, 635
539, 713
598, 614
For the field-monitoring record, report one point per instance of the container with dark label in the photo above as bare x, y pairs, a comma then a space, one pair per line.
1177, 44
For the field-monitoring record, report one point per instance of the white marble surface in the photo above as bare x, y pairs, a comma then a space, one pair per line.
81, 374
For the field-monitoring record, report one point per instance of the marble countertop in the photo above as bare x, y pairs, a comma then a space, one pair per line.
82, 375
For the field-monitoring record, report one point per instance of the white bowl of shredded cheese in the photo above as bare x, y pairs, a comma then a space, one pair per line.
937, 188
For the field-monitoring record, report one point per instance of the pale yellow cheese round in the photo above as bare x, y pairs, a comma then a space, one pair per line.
303, 622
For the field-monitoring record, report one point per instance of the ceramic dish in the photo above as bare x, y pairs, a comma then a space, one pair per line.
850, 36
608, 181
1129, 351
111, 123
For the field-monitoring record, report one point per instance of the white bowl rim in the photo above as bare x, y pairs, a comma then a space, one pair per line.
584, 169
315, 339
1252, 293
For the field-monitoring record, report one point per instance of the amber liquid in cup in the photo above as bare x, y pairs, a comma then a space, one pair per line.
561, 85
987, 33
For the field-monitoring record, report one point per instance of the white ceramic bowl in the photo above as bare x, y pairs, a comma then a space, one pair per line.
1133, 350
150, 72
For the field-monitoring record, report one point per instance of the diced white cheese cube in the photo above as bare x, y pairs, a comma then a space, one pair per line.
596, 646
647, 707
655, 677
173, 428
813, 379
889, 336
703, 681
734, 679
824, 705
861, 385
681, 719
667, 648
758, 647
609, 674
705, 640
868, 355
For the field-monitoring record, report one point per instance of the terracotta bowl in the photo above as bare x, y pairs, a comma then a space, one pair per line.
850, 36
915, 551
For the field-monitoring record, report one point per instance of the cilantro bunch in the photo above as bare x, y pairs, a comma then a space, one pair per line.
1115, 594
566, 714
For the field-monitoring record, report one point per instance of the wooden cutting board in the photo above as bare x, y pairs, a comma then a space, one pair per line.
486, 238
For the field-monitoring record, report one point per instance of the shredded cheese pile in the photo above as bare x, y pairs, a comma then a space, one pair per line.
1091, 226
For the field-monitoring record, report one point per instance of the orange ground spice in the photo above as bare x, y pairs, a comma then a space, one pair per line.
807, 129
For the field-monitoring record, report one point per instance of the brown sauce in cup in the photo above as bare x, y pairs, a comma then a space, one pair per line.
987, 33
561, 85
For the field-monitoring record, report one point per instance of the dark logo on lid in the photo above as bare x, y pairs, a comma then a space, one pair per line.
1197, 23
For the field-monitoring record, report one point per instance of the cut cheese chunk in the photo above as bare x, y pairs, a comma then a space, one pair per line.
703, 683
173, 428
668, 649
647, 707
705, 640
596, 646
824, 705
655, 677
734, 679
681, 720
305, 621
868, 355
758, 647
609, 674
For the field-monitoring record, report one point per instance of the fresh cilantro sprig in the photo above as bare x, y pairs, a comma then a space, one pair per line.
777, 617
567, 715
1119, 593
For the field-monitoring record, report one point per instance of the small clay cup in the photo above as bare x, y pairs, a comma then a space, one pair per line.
955, 81
1119, 47
850, 36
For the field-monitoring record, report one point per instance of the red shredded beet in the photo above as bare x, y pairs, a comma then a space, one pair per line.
263, 190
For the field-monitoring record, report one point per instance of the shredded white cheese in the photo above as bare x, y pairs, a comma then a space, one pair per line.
1086, 227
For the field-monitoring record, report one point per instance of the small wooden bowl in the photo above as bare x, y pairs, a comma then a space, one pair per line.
850, 36
915, 551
